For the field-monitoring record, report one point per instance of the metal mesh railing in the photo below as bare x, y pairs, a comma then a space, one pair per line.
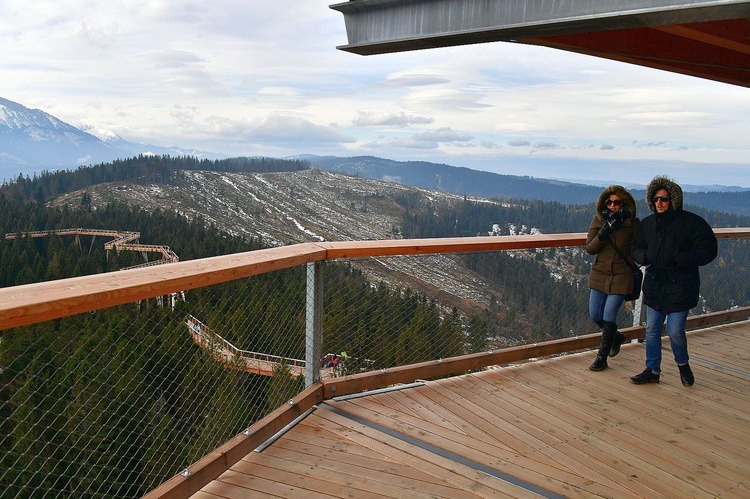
112, 403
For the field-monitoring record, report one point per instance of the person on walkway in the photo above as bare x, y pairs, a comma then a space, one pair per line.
611, 276
673, 243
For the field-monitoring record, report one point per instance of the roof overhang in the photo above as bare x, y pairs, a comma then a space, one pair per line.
707, 39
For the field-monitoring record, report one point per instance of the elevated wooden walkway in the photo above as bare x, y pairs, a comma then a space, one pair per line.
122, 242
546, 428
232, 357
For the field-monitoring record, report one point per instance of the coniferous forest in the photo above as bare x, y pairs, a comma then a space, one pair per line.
124, 354
553, 307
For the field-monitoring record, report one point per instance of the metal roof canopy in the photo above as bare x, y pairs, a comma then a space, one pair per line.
707, 39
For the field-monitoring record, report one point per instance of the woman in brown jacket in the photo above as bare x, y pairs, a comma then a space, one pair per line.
611, 277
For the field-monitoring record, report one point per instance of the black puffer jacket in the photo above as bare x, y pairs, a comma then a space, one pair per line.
673, 244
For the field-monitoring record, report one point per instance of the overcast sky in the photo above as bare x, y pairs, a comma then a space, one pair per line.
262, 78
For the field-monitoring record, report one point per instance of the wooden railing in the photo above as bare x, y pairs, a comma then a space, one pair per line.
33, 303
39, 302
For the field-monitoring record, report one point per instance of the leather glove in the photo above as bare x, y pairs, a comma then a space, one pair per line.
616, 219
605, 232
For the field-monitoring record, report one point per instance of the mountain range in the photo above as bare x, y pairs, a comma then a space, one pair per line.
32, 141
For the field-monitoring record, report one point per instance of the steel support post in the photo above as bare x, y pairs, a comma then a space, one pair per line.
313, 323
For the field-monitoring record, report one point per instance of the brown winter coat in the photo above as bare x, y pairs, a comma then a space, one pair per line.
609, 273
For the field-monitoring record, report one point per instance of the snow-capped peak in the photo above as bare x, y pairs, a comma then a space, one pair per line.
100, 133
17, 117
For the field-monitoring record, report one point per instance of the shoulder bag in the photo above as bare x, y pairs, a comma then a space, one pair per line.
637, 276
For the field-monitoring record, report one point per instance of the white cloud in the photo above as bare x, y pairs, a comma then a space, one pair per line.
390, 119
443, 135
258, 77
415, 80
276, 128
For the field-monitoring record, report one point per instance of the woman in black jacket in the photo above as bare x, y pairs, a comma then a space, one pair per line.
673, 243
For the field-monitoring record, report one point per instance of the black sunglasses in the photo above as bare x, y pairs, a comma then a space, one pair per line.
663, 199
615, 202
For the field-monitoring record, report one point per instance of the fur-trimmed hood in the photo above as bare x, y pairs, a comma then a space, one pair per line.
627, 200
674, 190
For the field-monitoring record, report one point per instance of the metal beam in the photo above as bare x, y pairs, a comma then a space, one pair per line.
384, 26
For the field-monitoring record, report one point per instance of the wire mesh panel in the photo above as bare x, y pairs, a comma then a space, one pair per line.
115, 402
406, 309
724, 282
411, 309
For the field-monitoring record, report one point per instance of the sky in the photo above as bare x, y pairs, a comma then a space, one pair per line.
260, 78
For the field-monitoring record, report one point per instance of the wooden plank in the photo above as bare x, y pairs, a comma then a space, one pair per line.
303, 475
490, 412
38, 302
358, 383
552, 423
401, 402
242, 485
690, 457
388, 479
360, 249
28, 304
467, 478
482, 451
589, 373
616, 443
432, 414
668, 404
308, 446
567, 440
661, 425
540, 426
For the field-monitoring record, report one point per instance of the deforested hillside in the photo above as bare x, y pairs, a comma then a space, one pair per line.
309, 205
272, 203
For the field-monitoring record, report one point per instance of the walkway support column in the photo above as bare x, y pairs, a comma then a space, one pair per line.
314, 323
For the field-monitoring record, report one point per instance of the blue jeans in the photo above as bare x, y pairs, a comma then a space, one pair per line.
604, 307
676, 331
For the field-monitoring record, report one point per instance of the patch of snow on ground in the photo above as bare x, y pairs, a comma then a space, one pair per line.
302, 229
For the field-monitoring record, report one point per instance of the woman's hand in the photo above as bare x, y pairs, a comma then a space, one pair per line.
605, 232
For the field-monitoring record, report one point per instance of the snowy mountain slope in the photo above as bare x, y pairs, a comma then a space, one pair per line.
304, 206
32, 140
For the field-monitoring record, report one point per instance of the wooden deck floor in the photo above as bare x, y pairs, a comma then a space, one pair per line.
545, 428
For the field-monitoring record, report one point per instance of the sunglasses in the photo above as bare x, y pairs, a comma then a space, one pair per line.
663, 199
613, 202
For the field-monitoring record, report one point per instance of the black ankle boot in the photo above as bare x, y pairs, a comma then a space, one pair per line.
686, 374
600, 364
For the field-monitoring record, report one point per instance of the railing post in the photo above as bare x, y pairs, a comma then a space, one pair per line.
637, 311
313, 323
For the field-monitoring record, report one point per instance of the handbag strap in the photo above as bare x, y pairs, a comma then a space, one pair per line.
617, 250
